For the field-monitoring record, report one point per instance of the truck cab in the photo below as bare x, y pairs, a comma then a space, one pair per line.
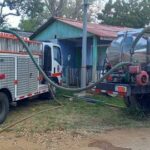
52, 61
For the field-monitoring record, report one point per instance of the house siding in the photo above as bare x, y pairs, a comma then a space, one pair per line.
59, 30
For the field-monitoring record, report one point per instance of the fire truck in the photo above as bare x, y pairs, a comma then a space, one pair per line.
19, 78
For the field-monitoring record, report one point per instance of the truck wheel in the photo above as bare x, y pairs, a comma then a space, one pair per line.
4, 107
135, 102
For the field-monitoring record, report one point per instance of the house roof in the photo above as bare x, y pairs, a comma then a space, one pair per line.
101, 30
23, 33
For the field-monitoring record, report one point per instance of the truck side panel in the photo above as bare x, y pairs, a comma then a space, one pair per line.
27, 76
7, 69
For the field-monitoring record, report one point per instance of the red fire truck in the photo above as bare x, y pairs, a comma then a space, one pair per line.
19, 78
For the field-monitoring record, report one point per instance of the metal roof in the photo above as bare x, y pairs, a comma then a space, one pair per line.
101, 30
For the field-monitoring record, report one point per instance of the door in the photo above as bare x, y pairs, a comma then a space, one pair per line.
22, 75
47, 60
33, 76
27, 76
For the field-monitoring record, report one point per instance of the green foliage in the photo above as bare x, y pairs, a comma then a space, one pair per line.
28, 25
30, 8
46, 9
131, 13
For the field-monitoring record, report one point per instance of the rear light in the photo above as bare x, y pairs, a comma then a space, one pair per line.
121, 89
2, 76
134, 69
109, 78
97, 91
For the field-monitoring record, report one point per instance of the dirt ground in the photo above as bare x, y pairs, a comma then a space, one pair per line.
118, 139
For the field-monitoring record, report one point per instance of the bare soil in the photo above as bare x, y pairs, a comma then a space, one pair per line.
123, 139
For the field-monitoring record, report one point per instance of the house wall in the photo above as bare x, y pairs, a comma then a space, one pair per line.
68, 48
75, 50
59, 30
101, 54
70, 40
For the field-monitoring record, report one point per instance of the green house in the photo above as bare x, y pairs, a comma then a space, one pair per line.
68, 33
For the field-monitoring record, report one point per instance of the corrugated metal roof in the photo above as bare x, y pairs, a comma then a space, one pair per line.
101, 30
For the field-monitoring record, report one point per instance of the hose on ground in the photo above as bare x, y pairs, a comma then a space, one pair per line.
28, 117
50, 81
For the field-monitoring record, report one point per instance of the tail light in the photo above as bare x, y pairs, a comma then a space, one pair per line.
121, 89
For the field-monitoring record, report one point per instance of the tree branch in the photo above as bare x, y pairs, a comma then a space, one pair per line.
2, 6
10, 14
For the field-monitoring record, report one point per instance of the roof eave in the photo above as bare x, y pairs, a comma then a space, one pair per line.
43, 27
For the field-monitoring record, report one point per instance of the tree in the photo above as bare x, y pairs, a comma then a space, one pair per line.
131, 13
30, 8
64, 8
12, 7
49, 8
32, 14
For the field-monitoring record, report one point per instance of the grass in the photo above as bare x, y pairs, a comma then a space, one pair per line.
75, 115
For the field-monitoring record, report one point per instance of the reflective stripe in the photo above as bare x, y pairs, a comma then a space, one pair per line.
56, 74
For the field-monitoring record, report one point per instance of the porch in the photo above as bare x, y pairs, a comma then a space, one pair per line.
72, 56
73, 75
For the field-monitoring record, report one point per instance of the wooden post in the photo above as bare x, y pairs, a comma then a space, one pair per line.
94, 59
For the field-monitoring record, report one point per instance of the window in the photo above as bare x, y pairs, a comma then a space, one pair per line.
141, 45
57, 54
47, 58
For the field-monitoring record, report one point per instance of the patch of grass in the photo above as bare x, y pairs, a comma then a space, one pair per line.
136, 114
75, 115
118, 101
60, 93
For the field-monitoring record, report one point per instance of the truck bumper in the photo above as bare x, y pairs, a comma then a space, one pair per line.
122, 89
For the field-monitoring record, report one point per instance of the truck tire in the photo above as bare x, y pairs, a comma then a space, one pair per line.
4, 107
137, 102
